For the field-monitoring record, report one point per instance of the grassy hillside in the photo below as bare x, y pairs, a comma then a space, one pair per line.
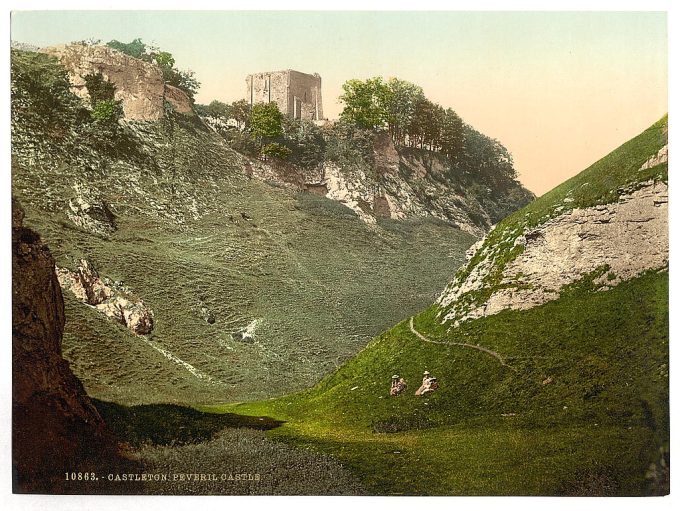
195, 237
596, 427
579, 405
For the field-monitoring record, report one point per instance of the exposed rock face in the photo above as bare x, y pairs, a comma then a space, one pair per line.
621, 240
110, 298
179, 100
659, 158
139, 84
55, 427
401, 186
351, 189
89, 211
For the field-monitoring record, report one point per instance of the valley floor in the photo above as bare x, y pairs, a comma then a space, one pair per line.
583, 413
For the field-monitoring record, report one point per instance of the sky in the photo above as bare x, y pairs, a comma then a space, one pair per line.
559, 89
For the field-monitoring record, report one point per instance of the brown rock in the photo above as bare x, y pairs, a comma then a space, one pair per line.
179, 100
55, 426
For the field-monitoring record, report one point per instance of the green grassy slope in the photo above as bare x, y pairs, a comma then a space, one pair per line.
582, 409
600, 422
192, 232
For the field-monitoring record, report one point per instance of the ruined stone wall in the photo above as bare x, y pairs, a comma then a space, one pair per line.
298, 95
307, 89
268, 87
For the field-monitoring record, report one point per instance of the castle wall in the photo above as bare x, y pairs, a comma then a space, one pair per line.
268, 87
298, 95
307, 89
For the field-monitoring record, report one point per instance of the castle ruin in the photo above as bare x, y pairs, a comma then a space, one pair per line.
298, 95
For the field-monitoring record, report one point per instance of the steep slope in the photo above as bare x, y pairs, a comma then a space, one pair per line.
398, 183
610, 220
567, 396
256, 288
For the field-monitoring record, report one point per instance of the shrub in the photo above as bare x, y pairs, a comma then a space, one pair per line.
108, 110
276, 150
99, 88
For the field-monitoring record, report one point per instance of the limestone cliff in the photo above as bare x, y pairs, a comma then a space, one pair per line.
410, 183
532, 258
139, 84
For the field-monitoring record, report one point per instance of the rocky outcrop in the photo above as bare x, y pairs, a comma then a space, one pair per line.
407, 184
55, 427
139, 84
612, 242
179, 100
88, 210
660, 157
112, 299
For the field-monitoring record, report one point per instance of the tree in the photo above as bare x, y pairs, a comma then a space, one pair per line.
265, 122
107, 110
276, 150
184, 80
216, 109
98, 88
452, 135
305, 141
165, 60
401, 99
102, 98
365, 103
240, 112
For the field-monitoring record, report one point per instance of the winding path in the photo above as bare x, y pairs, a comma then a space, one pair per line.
463, 344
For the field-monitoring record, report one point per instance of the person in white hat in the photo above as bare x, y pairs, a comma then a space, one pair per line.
398, 385
427, 385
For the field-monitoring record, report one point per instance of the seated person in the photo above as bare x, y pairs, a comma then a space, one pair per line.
398, 385
429, 384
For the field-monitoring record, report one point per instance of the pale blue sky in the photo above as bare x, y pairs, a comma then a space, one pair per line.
560, 90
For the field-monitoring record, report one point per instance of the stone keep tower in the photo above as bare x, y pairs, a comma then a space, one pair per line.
298, 95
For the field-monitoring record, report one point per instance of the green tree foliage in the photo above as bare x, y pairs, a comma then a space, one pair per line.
400, 101
107, 110
240, 112
184, 80
487, 157
164, 60
266, 121
216, 110
98, 88
102, 93
266, 124
401, 107
305, 141
349, 145
365, 102
136, 48
452, 138
276, 150
40, 87
414, 121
